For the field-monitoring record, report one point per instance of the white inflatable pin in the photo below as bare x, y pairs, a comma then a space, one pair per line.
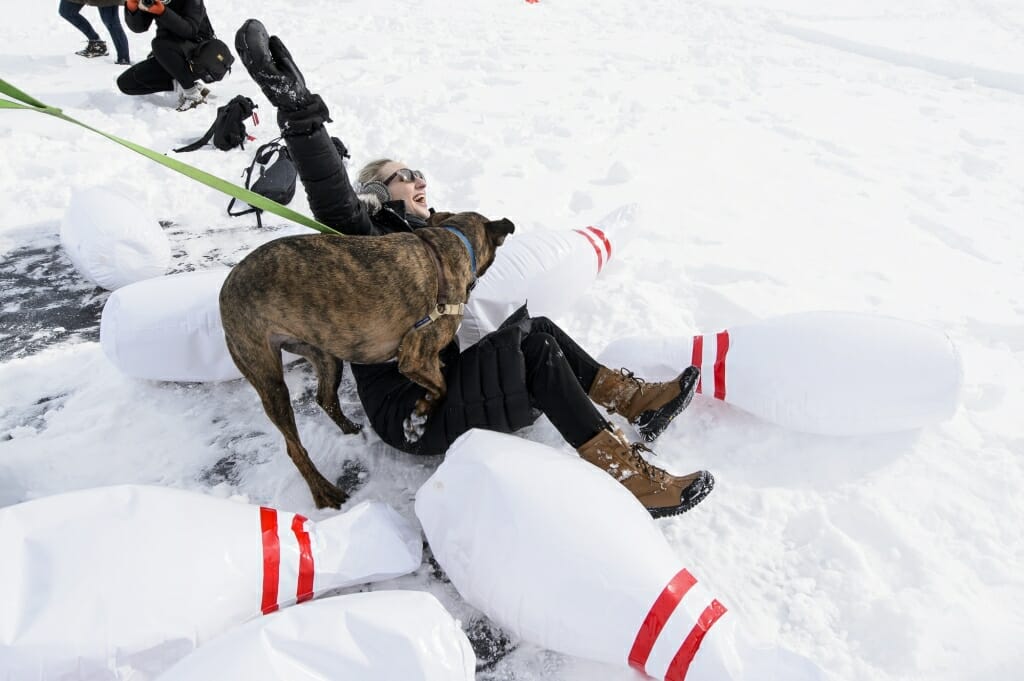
375, 636
561, 555
112, 240
831, 373
100, 582
549, 270
169, 329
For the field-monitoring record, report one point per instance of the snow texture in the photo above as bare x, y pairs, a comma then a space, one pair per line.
787, 155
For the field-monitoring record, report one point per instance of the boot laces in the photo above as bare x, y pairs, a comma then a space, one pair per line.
649, 470
641, 384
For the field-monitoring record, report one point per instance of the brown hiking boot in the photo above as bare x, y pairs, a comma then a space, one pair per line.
650, 407
660, 492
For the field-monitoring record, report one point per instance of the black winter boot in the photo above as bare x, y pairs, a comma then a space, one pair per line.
95, 48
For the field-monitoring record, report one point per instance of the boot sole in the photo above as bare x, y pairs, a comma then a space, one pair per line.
650, 424
705, 483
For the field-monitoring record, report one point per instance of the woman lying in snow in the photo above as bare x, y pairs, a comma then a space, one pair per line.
527, 367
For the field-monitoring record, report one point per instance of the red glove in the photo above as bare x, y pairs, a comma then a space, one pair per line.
132, 5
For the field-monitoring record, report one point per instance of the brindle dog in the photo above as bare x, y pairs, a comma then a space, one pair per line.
360, 299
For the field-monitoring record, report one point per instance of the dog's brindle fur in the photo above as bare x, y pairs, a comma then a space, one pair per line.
335, 298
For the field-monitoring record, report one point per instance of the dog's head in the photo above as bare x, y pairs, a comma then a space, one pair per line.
485, 235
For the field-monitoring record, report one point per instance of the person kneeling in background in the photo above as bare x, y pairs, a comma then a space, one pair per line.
181, 27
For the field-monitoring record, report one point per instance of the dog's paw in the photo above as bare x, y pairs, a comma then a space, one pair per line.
329, 496
414, 425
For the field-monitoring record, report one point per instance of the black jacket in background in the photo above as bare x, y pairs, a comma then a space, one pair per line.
181, 20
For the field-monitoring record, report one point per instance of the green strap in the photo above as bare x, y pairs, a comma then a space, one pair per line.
29, 103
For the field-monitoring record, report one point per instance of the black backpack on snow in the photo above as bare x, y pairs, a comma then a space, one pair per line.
276, 179
211, 61
228, 129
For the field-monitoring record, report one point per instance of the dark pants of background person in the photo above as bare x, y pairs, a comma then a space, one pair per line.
110, 17
157, 73
559, 374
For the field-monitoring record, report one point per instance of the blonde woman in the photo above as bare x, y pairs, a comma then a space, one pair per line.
527, 367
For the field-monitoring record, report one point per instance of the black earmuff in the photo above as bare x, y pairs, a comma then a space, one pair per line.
376, 188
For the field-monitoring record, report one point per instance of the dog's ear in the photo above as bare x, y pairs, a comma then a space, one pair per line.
497, 230
437, 218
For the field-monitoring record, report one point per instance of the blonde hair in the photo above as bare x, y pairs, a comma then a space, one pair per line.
371, 171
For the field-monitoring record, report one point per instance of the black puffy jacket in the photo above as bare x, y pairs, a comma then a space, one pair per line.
486, 384
319, 160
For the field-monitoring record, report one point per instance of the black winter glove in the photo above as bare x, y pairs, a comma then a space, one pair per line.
271, 65
304, 121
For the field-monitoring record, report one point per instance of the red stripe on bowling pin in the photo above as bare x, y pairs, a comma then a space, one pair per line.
723, 350
681, 662
304, 584
720, 352
597, 248
604, 241
271, 559
600, 243
697, 358
303, 573
658, 616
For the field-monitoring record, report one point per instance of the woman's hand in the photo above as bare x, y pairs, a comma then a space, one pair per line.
271, 65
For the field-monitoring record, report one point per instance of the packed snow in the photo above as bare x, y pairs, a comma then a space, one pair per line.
786, 156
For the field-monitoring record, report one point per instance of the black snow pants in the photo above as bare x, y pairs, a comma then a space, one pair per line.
157, 73
536, 364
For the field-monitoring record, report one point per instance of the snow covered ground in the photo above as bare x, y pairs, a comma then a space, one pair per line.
787, 155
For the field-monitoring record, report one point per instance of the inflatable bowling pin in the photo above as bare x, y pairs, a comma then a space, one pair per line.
560, 554
831, 373
111, 240
548, 270
375, 636
169, 329
99, 582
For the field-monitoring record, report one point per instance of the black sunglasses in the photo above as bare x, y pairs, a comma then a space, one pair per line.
405, 175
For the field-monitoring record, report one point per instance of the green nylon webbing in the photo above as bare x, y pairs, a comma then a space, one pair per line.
30, 103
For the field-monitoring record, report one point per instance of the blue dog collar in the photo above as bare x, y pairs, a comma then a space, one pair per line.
442, 308
469, 247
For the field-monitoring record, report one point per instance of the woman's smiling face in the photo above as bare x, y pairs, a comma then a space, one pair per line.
413, 192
